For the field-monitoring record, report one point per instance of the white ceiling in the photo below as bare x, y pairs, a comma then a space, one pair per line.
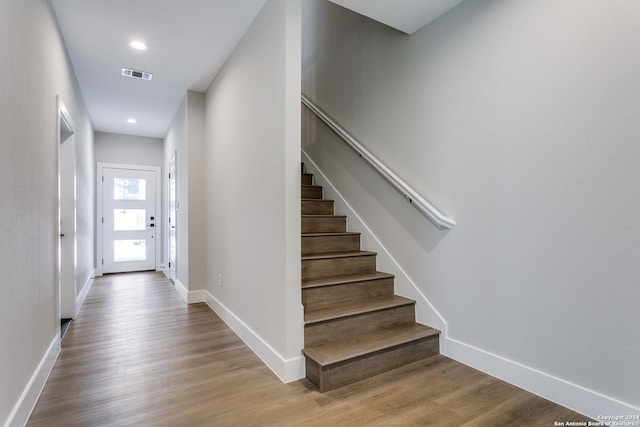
407, 16
188, 42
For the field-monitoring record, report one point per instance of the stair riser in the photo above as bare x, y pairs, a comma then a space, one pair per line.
324, 225
311, 192
328, 244
350, 371
328, 267
325, 295
307, 179
354, 326
319, 207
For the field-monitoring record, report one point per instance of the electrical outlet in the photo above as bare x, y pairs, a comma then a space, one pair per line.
220, 279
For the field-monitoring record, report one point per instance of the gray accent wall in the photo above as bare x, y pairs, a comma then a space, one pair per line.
520, 120
35, 69
252, 190
238, 186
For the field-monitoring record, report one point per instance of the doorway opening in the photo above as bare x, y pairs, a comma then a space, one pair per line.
67, 245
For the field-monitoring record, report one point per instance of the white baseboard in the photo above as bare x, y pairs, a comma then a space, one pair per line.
181, 289
190, 297
22, 411
286, 369
196, 296
85, 290
565, 393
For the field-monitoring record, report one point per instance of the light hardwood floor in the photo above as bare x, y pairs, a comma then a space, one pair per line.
137, 355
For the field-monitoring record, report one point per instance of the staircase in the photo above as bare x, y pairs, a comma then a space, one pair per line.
355, 327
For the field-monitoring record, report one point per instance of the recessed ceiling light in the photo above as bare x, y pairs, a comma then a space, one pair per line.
132, 121
137, 44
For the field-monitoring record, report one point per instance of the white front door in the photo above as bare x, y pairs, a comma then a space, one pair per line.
128, 220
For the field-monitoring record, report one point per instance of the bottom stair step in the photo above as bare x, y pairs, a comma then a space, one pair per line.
337, 364
364, 344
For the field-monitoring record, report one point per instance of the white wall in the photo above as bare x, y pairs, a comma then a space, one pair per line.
519, 120
36, 69
185, 138
196, 178
85, 191
128, 149
253, 189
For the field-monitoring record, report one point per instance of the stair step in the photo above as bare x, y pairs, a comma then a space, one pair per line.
319, 243
341, 280
342, 321
344, 362
334, 290
311, 192
317, 207
324, 223
307, 179
343, 350
353, 308
338, 264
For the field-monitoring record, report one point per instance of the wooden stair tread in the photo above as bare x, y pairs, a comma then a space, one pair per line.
332, 233
339, 280
338, 255
322, 216
340, 351
352, 308
318, 200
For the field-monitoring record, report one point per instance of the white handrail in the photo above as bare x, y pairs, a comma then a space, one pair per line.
427, 209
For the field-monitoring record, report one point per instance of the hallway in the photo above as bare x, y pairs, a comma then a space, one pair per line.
137, 355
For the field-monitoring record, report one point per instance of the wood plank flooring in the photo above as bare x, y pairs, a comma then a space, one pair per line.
137, 355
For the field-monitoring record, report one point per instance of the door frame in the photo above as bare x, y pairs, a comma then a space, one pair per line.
172, 220
99, 218
65, 129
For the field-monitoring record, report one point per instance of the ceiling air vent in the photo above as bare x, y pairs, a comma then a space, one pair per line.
136, 74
